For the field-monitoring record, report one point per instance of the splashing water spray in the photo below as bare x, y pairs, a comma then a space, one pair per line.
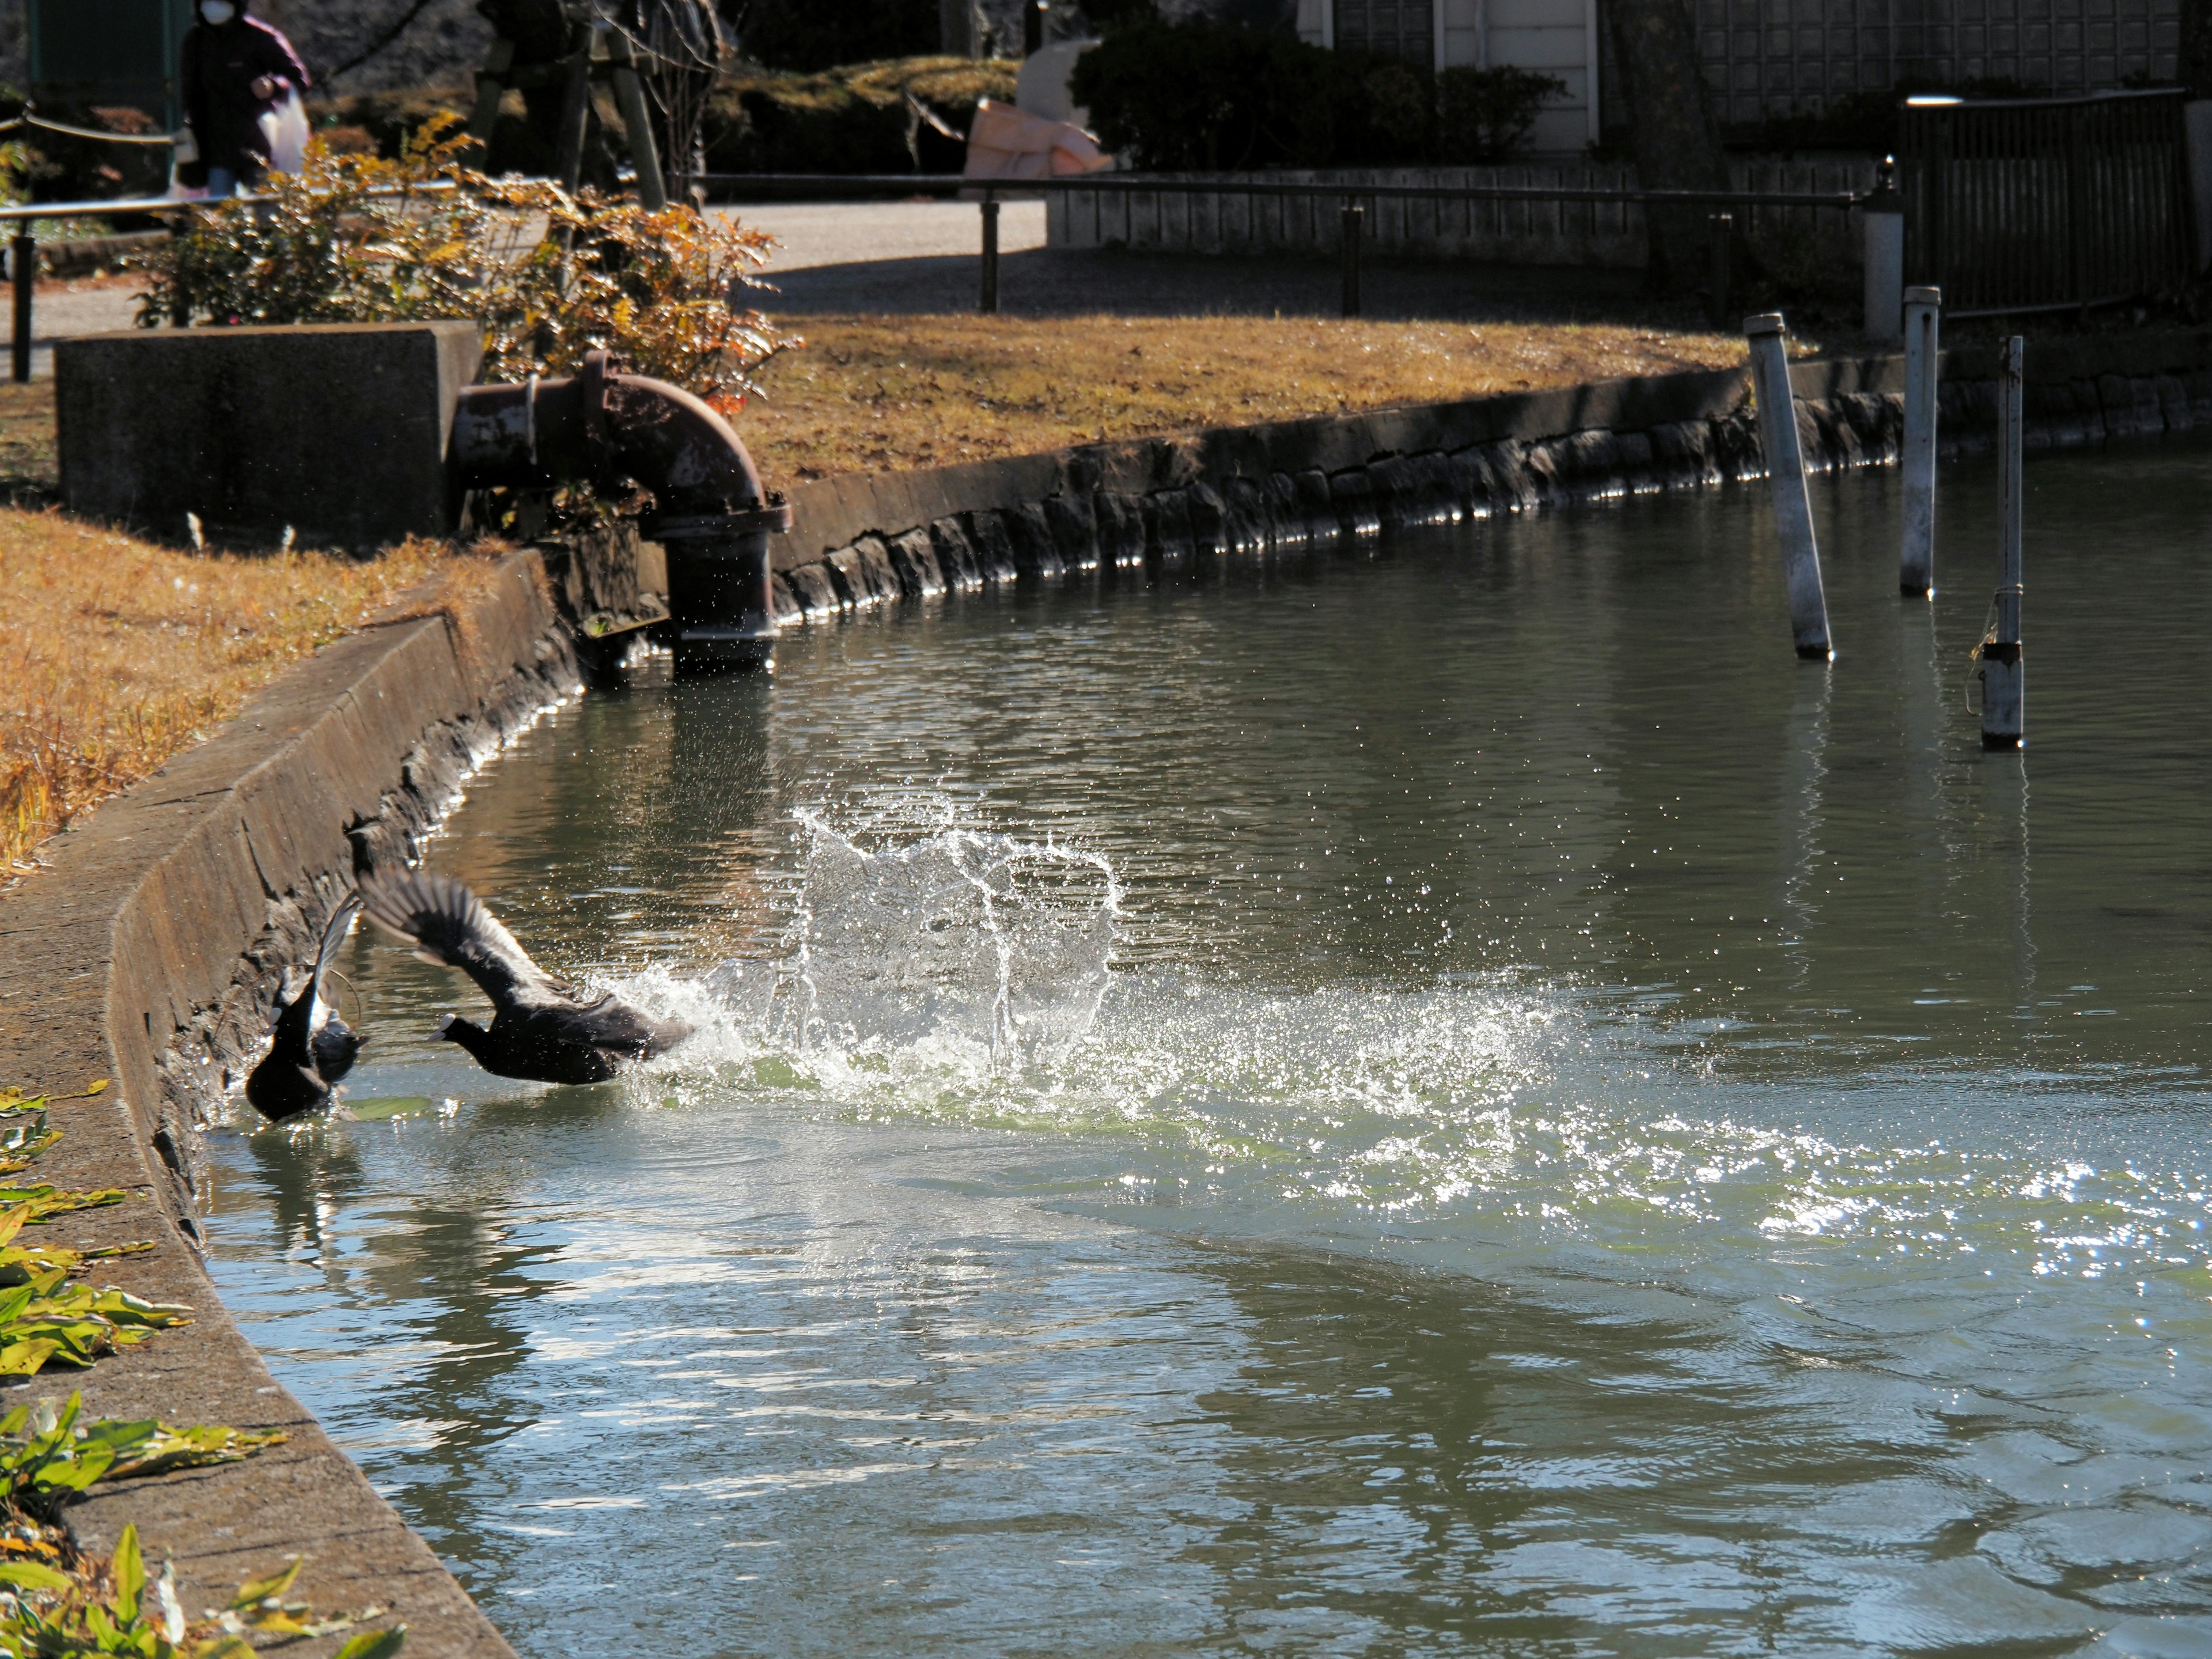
973, 944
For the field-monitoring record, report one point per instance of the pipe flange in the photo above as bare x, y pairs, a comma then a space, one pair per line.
775, 518
592, 379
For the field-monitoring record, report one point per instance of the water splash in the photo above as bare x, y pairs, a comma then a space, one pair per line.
965, 941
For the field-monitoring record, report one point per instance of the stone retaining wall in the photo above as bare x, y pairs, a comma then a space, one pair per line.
150, 952
1161, 503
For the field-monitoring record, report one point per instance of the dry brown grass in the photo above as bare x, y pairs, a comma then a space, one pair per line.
874, 394
26, 434
121, 653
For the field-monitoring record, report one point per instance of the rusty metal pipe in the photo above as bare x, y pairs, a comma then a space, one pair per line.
709, 508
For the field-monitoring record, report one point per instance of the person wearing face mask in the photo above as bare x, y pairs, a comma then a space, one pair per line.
236, 69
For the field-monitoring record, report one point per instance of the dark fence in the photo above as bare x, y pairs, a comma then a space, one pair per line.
2046, 204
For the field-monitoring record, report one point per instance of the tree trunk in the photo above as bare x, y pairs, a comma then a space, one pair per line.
2195, 68
1677, 141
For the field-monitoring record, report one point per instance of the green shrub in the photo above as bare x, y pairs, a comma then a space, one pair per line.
1201, 95
819, 35
550, 275
856, 119
1483, 115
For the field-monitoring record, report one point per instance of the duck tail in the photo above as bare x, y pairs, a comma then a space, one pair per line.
334, 936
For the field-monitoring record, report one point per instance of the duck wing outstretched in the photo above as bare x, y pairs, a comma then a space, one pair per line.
449, 925
542, 1030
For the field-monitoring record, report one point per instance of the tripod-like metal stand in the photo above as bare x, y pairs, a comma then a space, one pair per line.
596, 53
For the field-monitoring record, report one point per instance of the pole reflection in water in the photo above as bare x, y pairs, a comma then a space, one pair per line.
1804, 776
1587, 1148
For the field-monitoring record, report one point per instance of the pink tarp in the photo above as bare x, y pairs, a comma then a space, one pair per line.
1006, 142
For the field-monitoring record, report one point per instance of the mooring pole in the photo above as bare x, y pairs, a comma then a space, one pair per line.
1353, 214
23, 266
988, 304
2001, 690
1785, 477
1722, 229
1924, 312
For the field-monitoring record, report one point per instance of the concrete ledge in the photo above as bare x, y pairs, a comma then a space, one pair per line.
335, 431
149, 952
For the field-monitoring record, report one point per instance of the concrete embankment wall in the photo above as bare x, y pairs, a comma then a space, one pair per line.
149, 952
1160, 503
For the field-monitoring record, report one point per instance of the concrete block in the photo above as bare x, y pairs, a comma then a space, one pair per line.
1288, 523
994, 548
1037, 554
1249, 527
1209, 520
1317, 501
1169, 538
915, 560
1074, 530
863, 574
815, 592
1121, 521
1354, 495
788, 611
336, 430
955, 556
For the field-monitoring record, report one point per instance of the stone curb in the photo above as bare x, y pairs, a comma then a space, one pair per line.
1160, 503
149, 952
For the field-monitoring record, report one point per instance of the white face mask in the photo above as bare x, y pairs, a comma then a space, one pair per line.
218, 12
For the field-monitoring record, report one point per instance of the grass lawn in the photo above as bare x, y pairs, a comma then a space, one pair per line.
120, 652
877, 394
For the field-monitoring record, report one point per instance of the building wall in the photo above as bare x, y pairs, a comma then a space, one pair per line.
1788, 57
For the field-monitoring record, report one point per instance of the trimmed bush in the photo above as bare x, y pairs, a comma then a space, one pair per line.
1483, 115
819, 35
1201, 95
853, 119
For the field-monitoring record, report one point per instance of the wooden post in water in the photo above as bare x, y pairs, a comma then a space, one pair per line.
2002, 689
1916, 569
1785, 477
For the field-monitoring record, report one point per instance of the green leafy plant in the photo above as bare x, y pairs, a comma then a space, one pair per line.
551, 275
46, 1613
56, 1603
45, 1317
50, 1456
1485, 115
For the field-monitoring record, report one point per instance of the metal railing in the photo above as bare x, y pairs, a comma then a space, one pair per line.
23, 245
1354, 200
2021, 205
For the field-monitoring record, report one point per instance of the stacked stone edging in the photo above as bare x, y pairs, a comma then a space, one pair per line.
1160, 504
150, 952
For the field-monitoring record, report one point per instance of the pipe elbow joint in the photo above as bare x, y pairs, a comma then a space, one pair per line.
602, 428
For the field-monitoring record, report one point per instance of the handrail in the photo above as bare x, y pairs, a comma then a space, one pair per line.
152, 204
953, 182
27, 120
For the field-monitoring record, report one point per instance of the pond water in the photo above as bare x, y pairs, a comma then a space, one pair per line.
1454, 1098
